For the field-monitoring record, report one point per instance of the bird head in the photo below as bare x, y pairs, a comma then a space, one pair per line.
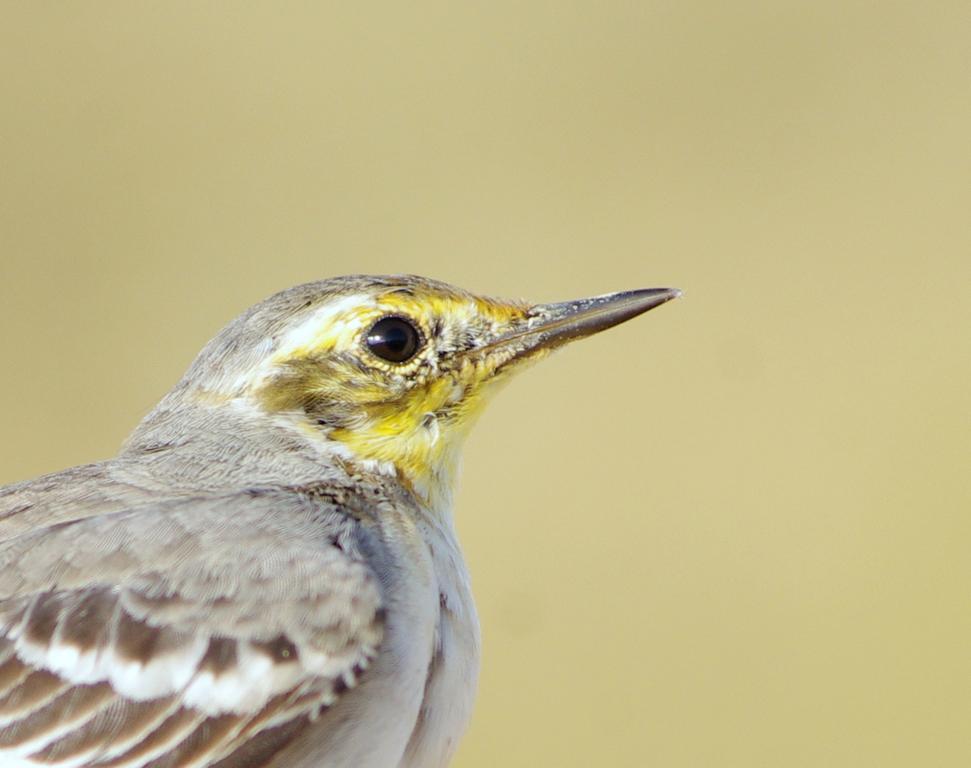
392, 372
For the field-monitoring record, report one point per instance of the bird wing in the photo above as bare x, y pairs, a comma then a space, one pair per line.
189, 632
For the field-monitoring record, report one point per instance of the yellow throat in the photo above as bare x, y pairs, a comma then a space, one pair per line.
392, 372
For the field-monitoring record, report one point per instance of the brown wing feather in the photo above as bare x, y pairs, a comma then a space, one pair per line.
193, 634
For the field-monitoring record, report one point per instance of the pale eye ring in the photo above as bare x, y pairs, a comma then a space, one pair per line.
394, 339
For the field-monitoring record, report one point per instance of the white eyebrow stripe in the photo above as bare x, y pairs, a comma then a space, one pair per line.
339, 320
335, 317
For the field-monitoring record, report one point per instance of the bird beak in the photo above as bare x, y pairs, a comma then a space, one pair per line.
547, 326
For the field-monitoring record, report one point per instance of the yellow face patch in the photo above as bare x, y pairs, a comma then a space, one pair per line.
412, 415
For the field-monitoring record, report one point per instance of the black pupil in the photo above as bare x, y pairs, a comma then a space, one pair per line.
393, 339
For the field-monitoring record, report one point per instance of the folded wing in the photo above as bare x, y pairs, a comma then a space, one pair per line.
197, 632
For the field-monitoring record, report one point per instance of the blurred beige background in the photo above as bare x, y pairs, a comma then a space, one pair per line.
732, 533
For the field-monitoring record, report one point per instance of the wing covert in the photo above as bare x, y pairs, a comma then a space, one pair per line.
182, 633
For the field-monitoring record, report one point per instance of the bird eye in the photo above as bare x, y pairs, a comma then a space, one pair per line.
393, 339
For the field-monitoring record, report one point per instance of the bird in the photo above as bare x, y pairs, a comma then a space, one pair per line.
268, 574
